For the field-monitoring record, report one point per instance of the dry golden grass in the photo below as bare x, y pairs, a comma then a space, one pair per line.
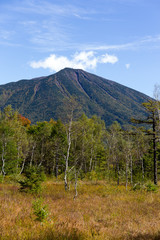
101, 211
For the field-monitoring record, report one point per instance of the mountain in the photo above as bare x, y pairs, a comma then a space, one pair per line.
43, 98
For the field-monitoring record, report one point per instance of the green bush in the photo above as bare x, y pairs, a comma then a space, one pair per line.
138, 186
150, 187
40, 210
33, 178
14, 178
1, 178
92, 176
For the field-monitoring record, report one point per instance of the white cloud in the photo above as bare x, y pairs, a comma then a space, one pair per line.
83, 60
127, 65
108, 59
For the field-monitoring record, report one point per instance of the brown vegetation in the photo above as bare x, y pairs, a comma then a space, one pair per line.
101, 211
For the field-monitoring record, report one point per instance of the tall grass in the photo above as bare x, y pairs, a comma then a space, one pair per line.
101, 211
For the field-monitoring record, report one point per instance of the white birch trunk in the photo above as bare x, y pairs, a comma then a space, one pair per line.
67, 156
22, 168
3, 159
32, 154
131, 162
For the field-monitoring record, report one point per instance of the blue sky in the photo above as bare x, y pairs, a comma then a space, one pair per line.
116, 39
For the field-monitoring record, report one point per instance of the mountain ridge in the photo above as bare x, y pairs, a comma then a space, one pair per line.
44, 97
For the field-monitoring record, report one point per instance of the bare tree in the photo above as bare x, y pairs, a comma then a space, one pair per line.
72, 106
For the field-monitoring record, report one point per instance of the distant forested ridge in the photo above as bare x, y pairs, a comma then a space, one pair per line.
44, 98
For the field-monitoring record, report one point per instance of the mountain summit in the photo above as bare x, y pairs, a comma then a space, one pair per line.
43, 98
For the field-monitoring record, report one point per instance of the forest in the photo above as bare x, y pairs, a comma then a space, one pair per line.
81, 148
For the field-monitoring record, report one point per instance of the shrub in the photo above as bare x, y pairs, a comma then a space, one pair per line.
92, 176
150, 187
40, 210
1, 178
14, 178
33, 178
138, 186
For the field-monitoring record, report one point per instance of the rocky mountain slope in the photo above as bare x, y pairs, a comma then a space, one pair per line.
46, 97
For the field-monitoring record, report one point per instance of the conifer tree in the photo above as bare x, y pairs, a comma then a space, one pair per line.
152, 108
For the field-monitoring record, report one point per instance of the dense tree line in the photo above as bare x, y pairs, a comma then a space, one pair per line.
81, 148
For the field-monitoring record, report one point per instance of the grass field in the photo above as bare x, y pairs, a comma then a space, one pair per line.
101, 211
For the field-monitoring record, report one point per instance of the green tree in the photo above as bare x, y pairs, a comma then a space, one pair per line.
8, 149
39, 134
33, 178
152, 108
57, 147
